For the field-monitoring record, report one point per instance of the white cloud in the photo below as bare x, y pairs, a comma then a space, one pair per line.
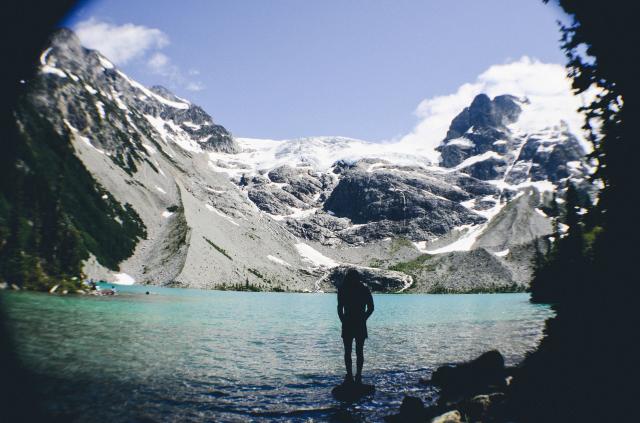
544, 84
194, 86
128, 43
158, 61
120, 43
160, 64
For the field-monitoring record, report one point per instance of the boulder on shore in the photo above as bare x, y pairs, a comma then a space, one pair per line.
377, 280
411, 410
484, 374
448, 417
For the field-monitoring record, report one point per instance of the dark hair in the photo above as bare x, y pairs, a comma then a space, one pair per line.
351, 276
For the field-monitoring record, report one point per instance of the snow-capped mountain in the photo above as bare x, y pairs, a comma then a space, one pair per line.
293, 214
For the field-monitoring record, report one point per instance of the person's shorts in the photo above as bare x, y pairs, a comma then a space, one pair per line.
355, 330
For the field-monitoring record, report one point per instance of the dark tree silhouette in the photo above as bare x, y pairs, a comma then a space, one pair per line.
581, 370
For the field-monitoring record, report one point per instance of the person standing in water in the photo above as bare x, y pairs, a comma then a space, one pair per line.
355, 305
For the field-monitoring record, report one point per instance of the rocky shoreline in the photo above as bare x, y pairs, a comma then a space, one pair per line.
476, 391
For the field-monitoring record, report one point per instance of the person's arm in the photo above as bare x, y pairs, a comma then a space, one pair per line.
340, 307
370, 307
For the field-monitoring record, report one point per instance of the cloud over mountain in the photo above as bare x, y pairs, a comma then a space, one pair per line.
120, 43
545, 85
126, 43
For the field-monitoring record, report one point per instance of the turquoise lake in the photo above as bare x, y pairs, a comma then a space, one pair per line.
191, 355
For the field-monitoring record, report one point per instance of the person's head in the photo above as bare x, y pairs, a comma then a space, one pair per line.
351, 278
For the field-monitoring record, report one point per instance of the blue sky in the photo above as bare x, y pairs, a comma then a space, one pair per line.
285, 68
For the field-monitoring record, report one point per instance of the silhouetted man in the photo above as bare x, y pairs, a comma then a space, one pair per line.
355, 305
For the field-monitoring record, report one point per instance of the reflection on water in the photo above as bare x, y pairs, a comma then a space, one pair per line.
181, 354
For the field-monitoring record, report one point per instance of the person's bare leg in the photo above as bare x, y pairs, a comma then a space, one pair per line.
359, 358
347, 358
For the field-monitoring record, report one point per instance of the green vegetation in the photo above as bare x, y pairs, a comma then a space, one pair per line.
498, 289
399, 243
590, 274
256, 273
249, 287
411, 267
565, 257
220, 249
376, 263
53, 213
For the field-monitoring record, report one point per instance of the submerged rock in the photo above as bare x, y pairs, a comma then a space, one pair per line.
350, 392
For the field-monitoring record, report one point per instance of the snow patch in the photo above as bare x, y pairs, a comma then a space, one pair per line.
179, 136
317, 153
149, 148
100, 108
87, 141
54, 71
472, 232
192, 125
574, 164
462, 142
502, 253
278, 260
105, 63
123, 279
464, 243
478, 158
149, 93
43, 56
91, 90
311, 255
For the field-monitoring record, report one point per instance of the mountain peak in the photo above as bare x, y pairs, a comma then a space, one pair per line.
484, 113
166, 93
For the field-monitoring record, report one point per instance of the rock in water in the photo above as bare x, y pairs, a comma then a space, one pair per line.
411, 410
352, 391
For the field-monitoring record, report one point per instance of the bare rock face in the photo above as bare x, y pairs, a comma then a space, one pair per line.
100, 102
482, 143
518, 223
477, 270
149, 153
210, 213
477, 128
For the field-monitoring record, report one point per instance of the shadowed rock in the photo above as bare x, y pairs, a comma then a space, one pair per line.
350, 392
484, 374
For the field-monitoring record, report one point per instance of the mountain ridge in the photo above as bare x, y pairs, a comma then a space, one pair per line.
284, 215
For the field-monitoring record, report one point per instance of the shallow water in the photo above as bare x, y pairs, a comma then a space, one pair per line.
181, 354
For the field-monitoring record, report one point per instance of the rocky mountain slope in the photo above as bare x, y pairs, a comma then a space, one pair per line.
292, 215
